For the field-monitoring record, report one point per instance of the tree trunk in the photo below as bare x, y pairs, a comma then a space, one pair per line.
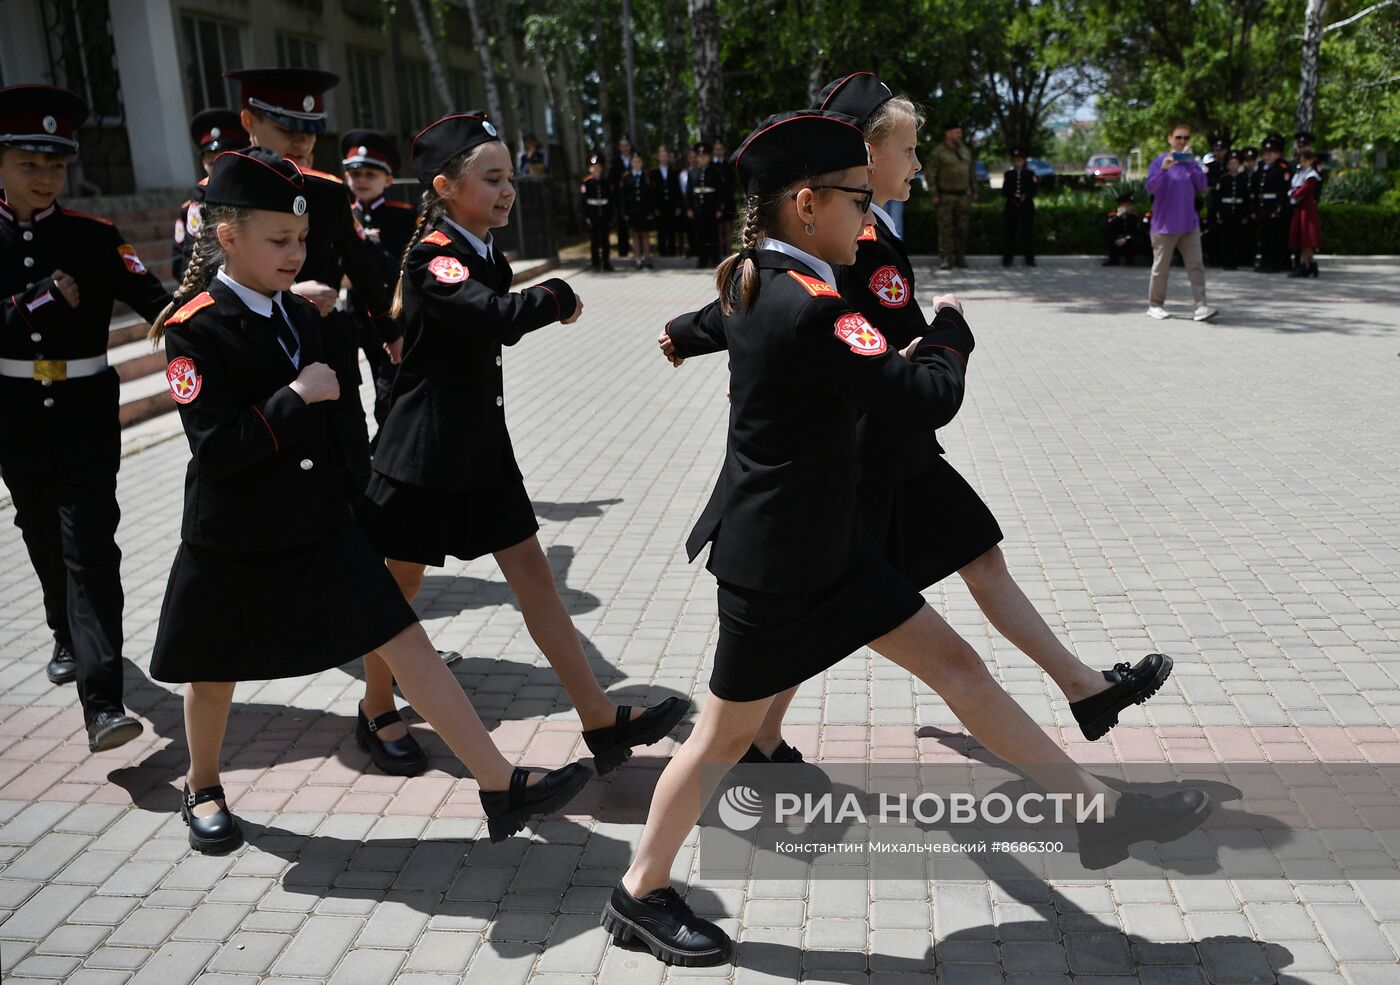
674, 95
1307, 85
709, 83
563, 118
430, 52
517, 122
482, 41
629, 73
605, 134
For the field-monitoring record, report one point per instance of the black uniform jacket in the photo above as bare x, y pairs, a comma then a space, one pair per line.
638, 195
395, 222
703, 190
1231, 197
1269, 185
336, 246
1125, 226
596, 195
268, 470
1018, 187
446, 428
785, 513
669, 200
38, 323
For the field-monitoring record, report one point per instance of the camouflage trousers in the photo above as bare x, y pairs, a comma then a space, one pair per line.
954, 211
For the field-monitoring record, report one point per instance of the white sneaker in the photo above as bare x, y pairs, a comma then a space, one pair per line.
1157, 311
1204, 312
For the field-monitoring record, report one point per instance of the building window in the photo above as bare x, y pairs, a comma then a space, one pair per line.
211, 49
295, 52
417, 97
366, 93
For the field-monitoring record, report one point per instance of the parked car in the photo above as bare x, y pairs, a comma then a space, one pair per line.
1103, 168
1041, 167
984, 177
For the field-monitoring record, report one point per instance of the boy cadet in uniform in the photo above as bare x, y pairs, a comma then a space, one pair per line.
1124, 233
597, 213
670, 201
1018, 188
60, 440
703, 207
1231, 207
953, 182
215, 131
1270, 190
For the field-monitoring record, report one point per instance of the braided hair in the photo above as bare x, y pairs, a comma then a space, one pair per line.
742, 264
204, 260
431, 208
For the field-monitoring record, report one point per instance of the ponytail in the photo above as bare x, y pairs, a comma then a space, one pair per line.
204, 260
742, 263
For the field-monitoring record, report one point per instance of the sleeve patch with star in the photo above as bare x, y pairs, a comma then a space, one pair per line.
863, 338
184, 381
448, 270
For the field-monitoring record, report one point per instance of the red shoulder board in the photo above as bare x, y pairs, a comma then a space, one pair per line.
323, 174
189, 308
438, 238
84, 215
815, 286
400, 205
867, 234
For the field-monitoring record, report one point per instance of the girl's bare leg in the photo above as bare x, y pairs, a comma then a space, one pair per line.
207, 705
722, 733
379, 682
770, 730
527, 571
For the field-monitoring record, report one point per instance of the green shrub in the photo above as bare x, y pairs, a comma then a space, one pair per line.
1355, 187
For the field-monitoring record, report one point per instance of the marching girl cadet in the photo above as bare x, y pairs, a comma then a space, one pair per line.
639, 202
60, 434
799, 586
214, 131
1305, 226
445, 477
597, 213
902, 465
272, 577
369, 160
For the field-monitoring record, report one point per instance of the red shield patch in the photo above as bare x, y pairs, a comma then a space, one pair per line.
889, 288
133, 262
447, 269
863, 338
184, 382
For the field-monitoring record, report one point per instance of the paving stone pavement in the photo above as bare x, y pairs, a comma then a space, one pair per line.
1224, 493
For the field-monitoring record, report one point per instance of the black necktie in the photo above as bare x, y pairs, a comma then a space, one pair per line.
285, 335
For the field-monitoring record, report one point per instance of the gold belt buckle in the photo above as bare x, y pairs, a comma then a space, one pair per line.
51, 369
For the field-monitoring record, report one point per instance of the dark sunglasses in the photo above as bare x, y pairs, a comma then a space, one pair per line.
1181, 136
867, 195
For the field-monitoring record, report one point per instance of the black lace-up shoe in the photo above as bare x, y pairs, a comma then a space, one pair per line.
1098, 713
109, 729
508, 810
215, 834
612, 746
662, 923
1141, 817
63, 666
397, 757
797, 775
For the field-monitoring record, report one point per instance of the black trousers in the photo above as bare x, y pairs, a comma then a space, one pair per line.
1018, 221
624, 234
666, 233
707, 238
1235, 236
1273, 242
598, 245
60, 464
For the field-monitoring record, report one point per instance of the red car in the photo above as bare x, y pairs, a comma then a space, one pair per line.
1103, 168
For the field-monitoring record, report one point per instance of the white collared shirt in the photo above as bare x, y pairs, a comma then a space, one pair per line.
482, 248
820, 267
261, 304
885, 218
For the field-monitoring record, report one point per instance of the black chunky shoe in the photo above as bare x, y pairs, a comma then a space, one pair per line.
1141, 817
111, 728
783, 754
449, 657
215, 834
397, 757
1098, 713
797, 775
508, 810
662, 923
612, 746
63, 666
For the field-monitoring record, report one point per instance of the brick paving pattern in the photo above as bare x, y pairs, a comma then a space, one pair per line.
1224, 493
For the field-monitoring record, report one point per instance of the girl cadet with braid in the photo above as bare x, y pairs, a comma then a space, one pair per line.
272, 577
903, 470
445, 478
799, 586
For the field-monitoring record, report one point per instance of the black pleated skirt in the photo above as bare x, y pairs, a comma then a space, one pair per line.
770, 642
929, 525
272, 614
413, 523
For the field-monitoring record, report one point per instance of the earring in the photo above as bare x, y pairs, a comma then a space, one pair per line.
810, 229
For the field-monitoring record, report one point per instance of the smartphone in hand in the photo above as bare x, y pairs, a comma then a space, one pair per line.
1183, 155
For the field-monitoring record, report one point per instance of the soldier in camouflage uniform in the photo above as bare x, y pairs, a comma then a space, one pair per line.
952, 179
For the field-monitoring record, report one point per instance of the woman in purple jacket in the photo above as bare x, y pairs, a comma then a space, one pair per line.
1174, 179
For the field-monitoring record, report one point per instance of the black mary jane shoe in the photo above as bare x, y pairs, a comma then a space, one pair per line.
397, 757
666, 926
111, 728
63, 666
508, 810
612, 745
1141, 817
1128, 685
213, 835
797, 775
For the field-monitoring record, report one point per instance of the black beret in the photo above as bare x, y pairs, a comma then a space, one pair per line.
1017, 152
41, 118
218, 129
369, 149
857, 95
1303, 136
1220, 142
293, 97
1125, 197
787, 147
702, 147
1236, 155
256, 178
1249, 153
440, 142
1273, 141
